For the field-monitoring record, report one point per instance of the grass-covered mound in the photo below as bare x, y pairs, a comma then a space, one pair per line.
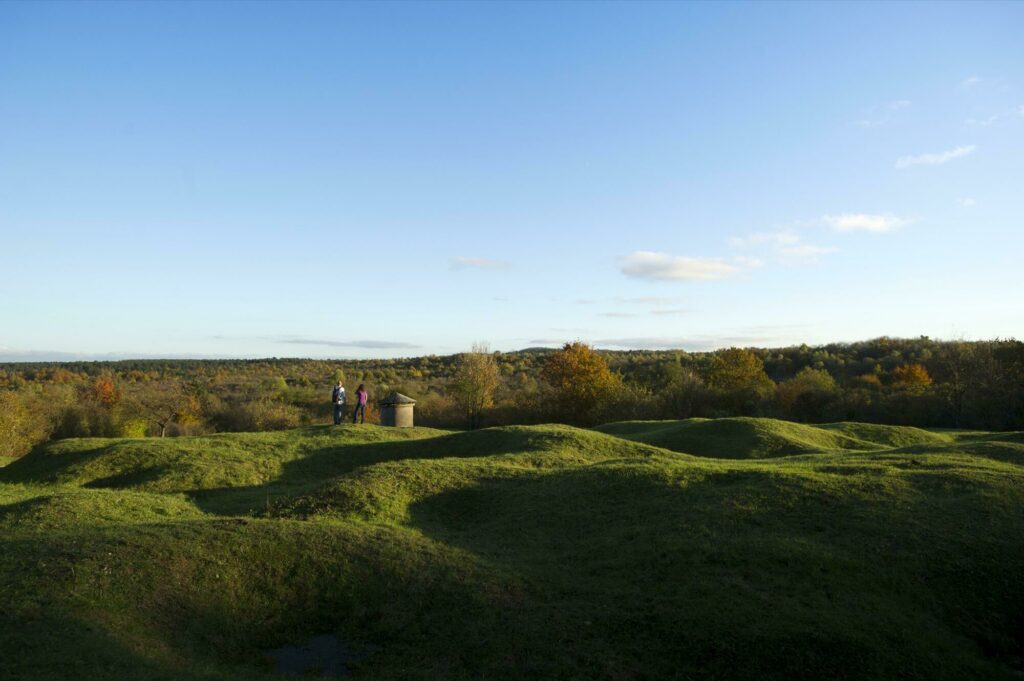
737, 438
528, 552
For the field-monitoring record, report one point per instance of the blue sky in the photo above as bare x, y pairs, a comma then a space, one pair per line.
357, 180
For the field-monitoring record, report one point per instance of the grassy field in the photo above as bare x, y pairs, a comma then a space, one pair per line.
699, 549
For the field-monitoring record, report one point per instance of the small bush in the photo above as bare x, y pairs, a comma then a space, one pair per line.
133, 428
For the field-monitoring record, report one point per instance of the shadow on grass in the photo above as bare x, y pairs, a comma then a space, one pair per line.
40, 466
51, 645
746, 574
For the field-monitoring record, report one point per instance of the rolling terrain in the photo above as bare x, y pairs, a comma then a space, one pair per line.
705, 549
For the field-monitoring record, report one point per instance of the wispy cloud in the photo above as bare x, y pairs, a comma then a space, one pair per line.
806, 251
982, 122
780, 238
748, 262
368, 344
666, 267
880, 114
745, 337
935, 158
15, 355
636, 300
663, 312
645, 300
970, 81
863, 222
966, 202
654, 343
693, 343
786, 245
465, 263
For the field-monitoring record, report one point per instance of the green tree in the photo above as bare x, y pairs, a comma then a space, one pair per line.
683, 393
12, 419
959, 362
806, 395
274, 385
164, 403
737, 375
476, 380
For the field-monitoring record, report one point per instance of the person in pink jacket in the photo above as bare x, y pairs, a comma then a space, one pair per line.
360, 410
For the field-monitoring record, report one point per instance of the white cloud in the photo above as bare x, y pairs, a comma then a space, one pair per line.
653, 265
898, 104
935, 158
806, 251
464, 263
617, 315
966, 202
785, 244
668, 313
779, 238
744, 261
970, 82
1020, 109
863, 222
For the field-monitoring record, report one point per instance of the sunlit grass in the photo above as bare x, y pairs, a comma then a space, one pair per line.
841, 551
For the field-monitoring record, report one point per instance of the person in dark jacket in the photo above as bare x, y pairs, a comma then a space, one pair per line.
338, 399
360, 410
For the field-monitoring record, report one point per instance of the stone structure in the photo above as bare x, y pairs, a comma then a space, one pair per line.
396, 410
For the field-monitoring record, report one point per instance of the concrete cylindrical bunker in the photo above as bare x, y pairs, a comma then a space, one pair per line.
396, 410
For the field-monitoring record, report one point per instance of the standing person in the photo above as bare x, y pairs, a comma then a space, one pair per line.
360, 410
338, 398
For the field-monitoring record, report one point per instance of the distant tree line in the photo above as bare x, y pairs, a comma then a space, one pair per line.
922, 382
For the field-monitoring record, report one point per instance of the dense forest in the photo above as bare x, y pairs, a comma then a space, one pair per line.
922, 382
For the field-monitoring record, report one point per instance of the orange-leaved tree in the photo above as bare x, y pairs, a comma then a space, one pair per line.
105, 392
581, 381
911, 377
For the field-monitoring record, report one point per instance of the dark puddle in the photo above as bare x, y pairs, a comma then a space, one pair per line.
326, 656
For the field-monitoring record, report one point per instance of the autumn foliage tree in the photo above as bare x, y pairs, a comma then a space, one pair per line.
476, 380
581, 381
164, 404
913, 377
12, 416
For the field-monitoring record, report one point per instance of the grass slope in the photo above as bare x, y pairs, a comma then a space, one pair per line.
735, 438
842, 551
